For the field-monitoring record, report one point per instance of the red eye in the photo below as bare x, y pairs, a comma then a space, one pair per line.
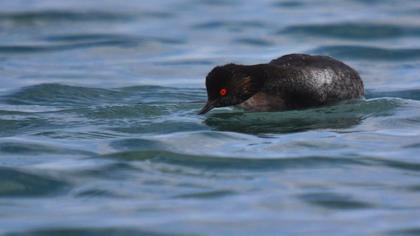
223, 92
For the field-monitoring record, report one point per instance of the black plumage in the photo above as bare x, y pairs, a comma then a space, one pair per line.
293, 81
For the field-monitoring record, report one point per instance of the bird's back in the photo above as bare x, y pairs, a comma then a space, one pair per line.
306, 80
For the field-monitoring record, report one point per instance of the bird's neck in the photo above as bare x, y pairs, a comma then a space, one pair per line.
264, 71
270, 77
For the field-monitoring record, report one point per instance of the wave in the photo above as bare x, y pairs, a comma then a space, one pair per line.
230, 25
15, 183
66, 95
256, 163
253, 42
217, 162
82, 41
332, 200
369, 53
89, 231
340, 116
54, 16
57, 94
413, 94
97, 37
353, 30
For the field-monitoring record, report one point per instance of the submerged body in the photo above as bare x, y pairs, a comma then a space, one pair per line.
292, 81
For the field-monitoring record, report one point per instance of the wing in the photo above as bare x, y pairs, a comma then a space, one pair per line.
304, 60
306, 80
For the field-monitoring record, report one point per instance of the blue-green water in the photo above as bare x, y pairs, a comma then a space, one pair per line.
99, 133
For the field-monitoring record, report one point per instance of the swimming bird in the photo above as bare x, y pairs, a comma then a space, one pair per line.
293, 81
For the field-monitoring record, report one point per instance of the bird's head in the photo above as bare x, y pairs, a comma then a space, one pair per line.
232, 84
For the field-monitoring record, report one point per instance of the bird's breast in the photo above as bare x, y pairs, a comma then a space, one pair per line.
263, 102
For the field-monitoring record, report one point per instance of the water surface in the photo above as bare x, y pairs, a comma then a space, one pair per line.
99, 133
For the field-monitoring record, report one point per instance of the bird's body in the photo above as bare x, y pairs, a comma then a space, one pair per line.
293, 81
298, 81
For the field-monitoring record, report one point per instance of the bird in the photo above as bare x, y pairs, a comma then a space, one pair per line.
290, 82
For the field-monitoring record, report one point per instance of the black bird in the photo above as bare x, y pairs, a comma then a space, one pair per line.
293, 81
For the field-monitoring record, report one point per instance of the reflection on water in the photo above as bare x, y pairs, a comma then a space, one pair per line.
99, 132
340, 116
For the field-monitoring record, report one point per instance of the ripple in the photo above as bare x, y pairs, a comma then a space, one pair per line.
405, 94
414, 231
227, 163
334, 201
24, 49
14, 183
161, 127
136, 144
112, 171
159, 94
21, 148
9, 127
396, 164
145, 111
117, 159
116, 38
207, 194
253, 42
83, 41
332, 117
186, 62
289, 4
359, 31
64, 95
57, 94
137, 109
219, 2
62, 15
29, 148
369, 53
229, 25
55, 16
96, 192
87, 231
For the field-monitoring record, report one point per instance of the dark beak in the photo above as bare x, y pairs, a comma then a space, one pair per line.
209, 105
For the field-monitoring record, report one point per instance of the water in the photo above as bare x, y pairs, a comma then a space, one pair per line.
99, 133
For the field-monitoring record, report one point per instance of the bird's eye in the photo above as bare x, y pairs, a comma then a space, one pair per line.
223, 92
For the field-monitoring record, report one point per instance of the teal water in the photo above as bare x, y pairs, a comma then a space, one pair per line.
99, 133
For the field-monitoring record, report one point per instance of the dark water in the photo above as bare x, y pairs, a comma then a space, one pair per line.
99, 133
